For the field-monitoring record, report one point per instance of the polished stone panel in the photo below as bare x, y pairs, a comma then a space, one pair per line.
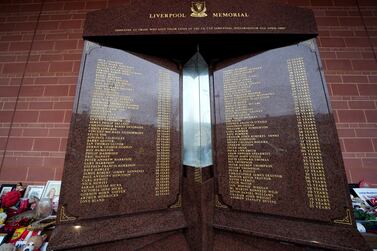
277, 150
123, 155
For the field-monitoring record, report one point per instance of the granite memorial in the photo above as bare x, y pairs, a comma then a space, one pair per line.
203, 126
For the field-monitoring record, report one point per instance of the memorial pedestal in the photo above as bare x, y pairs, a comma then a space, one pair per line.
273, 177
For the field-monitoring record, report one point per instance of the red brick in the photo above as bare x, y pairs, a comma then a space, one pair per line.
327, 21
41, 105
4, 46
63, 105
16, 132
37, 67
7, 59
51, 57
348, 55
48, 25
28, 91
345, 2
119, 2
332, 42
341, 33
372, 79
47, 6
54, 162
344, 132
63, 145
4, 132
46, 144
8, 91
367, 174
55, 37
362, 105
339, 64
14, 68
95, 5
358, 145
3, 142
40, 174
58, 173
364, 65
367, 3
68, 116
66, 45
72, 90
344, 89
370, 163
350, 21
371, 115
72, 24
371, 21
58, 90
13, 174
351, 116
60, 17
30, 7
19, 46
5, 116
333, 79
79, 16
74, 5
43, 45
13, 162
26, 116
35, 132
25, 26
367, 89
51, 116
354, 79
58, 132
9, 105
20, 144
328, 55
68, 80
357, 42
46, 80
22, 105
336, 13
366, 132
61, 67
72, 56
11, 38
339, 105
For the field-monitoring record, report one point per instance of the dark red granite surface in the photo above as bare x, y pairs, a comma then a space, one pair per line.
199, 213
260, 17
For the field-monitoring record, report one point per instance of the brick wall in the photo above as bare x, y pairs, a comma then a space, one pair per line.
40, 51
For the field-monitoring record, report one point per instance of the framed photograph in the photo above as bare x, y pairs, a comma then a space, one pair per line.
6, 188
52, 189
33, 191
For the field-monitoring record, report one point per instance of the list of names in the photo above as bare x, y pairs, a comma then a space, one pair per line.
108, 130
250, 168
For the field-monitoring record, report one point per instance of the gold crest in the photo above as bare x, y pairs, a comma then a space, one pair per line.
198, 9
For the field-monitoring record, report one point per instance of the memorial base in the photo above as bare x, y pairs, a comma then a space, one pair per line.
134, 232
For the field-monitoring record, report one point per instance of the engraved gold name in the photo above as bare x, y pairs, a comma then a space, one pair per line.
167, 15
230, 14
